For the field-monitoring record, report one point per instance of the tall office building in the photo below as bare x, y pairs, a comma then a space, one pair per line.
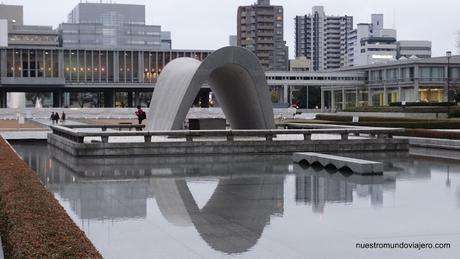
323, 39
112, 25
260, 29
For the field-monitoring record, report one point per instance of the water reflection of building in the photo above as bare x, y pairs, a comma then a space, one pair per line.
88, 199
106, 200
375, 192
317, 188
320, 188
317, 191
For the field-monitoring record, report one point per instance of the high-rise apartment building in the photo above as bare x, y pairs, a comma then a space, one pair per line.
112, 25
323, 39
260, 29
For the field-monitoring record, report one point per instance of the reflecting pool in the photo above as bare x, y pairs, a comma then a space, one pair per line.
253, 206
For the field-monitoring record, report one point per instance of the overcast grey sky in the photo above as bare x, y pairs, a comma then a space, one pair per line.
206, 24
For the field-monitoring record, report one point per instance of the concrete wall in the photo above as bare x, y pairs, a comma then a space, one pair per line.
225, 147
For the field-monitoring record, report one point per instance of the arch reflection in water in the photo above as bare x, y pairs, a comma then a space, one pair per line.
247, 195
235, 216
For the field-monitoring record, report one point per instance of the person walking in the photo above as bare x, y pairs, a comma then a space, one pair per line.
56, 117
140, 115
52, 117
63, 117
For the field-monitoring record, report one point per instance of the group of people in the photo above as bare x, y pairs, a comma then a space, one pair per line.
141, 116
55, 117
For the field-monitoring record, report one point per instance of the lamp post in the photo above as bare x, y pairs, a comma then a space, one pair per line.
448, 55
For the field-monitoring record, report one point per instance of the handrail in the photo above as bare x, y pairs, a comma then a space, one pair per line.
114, 126
105, 127
189, 135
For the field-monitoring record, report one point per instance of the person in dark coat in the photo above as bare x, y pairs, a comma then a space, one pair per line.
140, 115
63, 117
56, 118
52, 117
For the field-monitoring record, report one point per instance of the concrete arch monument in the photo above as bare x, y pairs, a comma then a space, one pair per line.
235, 77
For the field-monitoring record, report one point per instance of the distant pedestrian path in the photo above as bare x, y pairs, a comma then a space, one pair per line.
48, 122
7, 125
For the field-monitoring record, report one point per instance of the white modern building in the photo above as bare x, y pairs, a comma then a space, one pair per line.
323, 39
370, 43
429, 80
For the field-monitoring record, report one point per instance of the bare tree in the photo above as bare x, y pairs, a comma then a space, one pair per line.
458, 42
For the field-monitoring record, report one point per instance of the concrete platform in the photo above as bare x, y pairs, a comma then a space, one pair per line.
358, 166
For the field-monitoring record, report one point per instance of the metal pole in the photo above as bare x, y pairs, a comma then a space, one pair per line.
448, 54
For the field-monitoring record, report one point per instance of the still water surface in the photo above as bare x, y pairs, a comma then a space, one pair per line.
253, 206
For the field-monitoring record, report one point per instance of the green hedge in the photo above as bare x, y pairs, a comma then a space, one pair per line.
346, 118
421, 133
454, 114
341, 118
32, 222
390, 122
427, 109
422, 104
